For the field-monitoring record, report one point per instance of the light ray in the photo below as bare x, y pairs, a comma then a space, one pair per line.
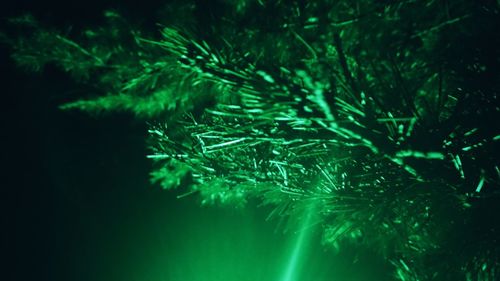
293, 268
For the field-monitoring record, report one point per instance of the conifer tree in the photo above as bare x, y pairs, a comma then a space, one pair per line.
381, 116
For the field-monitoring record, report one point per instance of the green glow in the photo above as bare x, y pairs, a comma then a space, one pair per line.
293, 268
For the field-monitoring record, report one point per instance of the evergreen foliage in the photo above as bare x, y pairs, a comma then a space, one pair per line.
380, 114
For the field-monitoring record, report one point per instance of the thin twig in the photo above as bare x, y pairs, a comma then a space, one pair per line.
439, 26
343, 62
80, 48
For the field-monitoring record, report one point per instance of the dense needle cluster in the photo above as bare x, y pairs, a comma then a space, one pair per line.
380, 114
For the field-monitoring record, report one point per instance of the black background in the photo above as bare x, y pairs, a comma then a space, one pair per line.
74, 187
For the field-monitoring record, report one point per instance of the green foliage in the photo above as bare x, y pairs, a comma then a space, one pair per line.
170, 175
132, 74
375, 112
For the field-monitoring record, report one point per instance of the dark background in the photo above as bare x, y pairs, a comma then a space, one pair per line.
76, 187
77, 202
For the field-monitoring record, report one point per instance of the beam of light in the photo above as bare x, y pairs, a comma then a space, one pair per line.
293, 268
